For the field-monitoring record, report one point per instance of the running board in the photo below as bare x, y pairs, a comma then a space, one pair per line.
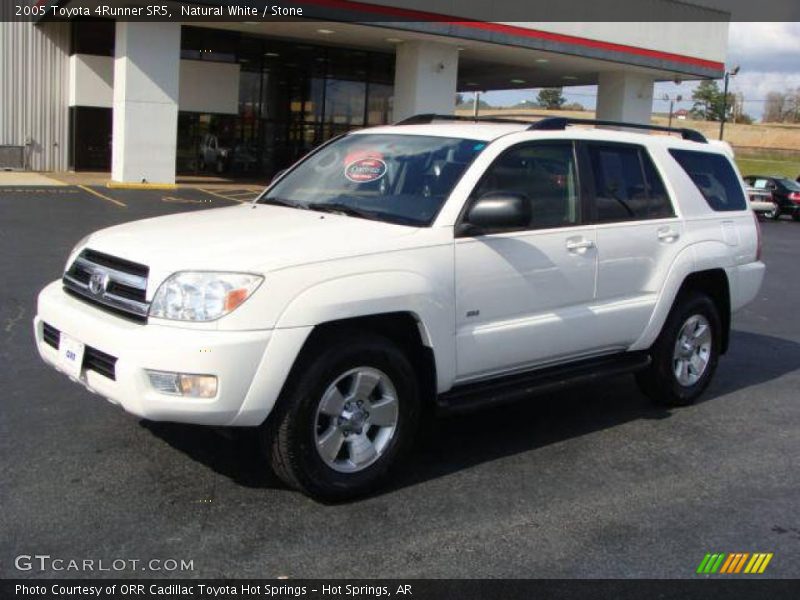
508, 388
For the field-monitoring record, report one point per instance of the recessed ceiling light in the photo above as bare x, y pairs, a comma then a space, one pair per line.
542, 60
517, 81
271, 54
394, 40
471, 83
569, 77
325, 31
460, 49
251, 23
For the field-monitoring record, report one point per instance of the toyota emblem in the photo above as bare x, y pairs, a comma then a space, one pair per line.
98, 282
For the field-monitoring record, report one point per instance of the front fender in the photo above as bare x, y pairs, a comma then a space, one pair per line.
371, 293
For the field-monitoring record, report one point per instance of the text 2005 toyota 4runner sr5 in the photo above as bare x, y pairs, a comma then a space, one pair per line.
430, 263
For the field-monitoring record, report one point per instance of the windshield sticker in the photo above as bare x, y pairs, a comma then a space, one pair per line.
364, 170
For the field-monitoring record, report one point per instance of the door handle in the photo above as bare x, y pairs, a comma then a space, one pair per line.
580, 245
668, 235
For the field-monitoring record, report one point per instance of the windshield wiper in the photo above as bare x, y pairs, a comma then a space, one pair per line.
283, 202
344, 209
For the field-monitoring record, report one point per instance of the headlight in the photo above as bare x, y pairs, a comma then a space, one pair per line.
202, 296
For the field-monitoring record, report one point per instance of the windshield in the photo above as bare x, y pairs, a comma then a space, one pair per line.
396, 178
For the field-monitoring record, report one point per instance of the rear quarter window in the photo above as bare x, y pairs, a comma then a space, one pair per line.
714, 176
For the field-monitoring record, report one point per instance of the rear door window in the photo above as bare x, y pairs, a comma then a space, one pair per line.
714, 177
626, 184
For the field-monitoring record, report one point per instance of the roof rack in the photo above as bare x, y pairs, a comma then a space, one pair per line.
426, 118
548, 123
558, 123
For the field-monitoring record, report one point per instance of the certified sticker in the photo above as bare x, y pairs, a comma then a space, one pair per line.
364, 170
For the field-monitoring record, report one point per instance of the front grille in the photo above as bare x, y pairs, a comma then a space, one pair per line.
116, 285
52, 336
93, 359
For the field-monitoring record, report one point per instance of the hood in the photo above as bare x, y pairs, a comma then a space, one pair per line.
248, 238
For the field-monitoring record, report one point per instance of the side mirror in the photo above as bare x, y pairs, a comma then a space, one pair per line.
500, 210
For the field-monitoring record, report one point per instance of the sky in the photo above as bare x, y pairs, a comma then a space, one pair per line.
768, 55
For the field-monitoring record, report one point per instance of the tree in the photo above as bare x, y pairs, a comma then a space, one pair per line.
709, 101
550, 98
774, 107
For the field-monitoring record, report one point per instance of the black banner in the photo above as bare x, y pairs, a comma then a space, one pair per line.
413, 589
384, 11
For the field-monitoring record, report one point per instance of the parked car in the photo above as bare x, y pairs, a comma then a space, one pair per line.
785, 193
430, 264
213, 155
761, 202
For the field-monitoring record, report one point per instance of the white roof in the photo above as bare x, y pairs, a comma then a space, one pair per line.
489, 131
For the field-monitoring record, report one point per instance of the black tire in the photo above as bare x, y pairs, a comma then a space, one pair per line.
773, 214
291, 431
796, 216
659, 381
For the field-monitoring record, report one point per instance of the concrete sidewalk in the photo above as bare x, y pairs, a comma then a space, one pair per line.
27, 179
101, 179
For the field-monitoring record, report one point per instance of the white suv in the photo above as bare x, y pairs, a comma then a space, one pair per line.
430, 263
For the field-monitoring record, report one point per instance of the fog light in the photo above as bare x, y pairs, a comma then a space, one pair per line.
182, 384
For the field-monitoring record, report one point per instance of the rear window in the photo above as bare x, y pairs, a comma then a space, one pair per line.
714, 177
789, 185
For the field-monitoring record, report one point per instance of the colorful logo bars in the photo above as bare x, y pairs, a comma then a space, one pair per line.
735, 562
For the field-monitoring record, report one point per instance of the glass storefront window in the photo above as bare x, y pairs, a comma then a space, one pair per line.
345, 102
292, 97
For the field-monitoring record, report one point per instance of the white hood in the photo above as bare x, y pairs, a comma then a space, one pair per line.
250, 238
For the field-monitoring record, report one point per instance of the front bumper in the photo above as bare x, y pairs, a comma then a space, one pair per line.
250, 377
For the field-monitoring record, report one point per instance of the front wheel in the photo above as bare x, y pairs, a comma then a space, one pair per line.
346, 416
686, 353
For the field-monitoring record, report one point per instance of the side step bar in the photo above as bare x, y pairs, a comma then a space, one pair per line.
508, 388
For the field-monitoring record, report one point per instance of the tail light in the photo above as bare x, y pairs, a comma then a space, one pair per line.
758, 237
795, 197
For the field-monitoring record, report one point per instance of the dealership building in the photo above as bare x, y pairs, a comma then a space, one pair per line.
148, 100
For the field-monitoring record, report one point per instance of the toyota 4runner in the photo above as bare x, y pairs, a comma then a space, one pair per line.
435, 262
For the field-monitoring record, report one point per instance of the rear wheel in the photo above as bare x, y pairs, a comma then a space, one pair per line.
686, 352
774, 213
347, 415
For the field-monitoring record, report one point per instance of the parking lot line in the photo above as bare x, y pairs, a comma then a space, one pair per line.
103, 196
228, 198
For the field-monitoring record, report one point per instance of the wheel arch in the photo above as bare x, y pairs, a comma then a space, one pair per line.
714, 283
686, 274
404, 328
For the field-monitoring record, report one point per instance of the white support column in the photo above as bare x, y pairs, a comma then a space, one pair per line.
146, 85
625, 97
425, 79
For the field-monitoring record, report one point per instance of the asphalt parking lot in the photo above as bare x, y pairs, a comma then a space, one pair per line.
592, 482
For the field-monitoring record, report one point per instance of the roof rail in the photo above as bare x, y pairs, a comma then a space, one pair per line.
548, 123
558, 123
426, 118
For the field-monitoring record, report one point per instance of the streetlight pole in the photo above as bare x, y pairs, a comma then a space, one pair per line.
728, 75
671, 100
